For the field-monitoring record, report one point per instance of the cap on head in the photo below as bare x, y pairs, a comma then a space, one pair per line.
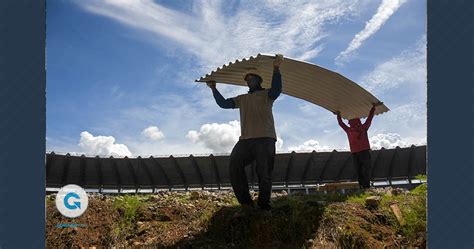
251, 71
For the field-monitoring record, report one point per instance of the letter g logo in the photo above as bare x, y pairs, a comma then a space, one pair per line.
72, 201
76, 204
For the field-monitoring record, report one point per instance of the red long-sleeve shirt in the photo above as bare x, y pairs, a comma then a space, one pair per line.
358, 138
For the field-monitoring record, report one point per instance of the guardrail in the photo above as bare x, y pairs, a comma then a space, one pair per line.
212, 172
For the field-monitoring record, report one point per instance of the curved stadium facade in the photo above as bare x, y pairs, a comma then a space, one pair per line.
291, 170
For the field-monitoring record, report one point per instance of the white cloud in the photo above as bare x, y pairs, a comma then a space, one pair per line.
386, 9
387, 141
310, 145
217, 137
406, 119
422, 141
279, 143
220, 137
153, 133
408, 70
214, 36
102, 146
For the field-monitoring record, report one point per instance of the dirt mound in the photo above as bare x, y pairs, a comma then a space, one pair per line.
204, 219
160, 220
98, 220
351, 225
355, 224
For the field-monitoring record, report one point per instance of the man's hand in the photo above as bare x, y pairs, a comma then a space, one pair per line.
278, 60
377, 104
211, 84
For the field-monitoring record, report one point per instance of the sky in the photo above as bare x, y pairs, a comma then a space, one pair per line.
120, 74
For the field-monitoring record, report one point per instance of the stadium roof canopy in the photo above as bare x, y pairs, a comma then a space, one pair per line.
303, 80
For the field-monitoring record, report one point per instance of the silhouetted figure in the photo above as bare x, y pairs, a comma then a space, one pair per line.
258, 136
359, 145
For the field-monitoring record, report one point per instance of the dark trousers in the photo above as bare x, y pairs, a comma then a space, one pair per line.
262, 150
362, 163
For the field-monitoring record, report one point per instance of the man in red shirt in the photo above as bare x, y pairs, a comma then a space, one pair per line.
359, 144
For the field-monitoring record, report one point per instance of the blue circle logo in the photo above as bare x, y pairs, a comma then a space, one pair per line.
72, 201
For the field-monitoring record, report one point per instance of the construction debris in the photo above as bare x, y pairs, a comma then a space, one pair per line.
372, 201
398, 214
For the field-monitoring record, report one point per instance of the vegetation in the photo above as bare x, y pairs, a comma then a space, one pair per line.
202, 219
129, 209
352, 224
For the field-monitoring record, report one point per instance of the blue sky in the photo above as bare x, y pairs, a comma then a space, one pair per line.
120, 74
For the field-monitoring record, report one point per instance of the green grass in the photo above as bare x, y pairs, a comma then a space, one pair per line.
421, 177
129, 208
130, 204
359, 198
413, 208
414, 212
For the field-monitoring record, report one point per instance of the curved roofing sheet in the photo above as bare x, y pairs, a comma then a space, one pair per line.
303, 80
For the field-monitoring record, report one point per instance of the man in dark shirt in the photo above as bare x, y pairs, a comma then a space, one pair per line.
359, 145
258, 136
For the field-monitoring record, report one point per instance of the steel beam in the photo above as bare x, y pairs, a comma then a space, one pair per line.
320, 177
162, 171
308, 164
116, 173
82, 176
180, 172
66, 164
411, 161
390, 166
132, 170
288, 167
216, 170
144, 166
198, 171
376, 162
344, 165
98, 166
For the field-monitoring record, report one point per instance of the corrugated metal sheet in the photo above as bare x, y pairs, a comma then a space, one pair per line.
303, 80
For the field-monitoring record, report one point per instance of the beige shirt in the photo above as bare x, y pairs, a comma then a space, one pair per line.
256, 117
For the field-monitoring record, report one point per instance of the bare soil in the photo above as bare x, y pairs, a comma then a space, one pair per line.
203, 219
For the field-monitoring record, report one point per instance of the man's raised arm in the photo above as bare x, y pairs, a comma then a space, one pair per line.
341, 123
220, 100
276, 78
368, 121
